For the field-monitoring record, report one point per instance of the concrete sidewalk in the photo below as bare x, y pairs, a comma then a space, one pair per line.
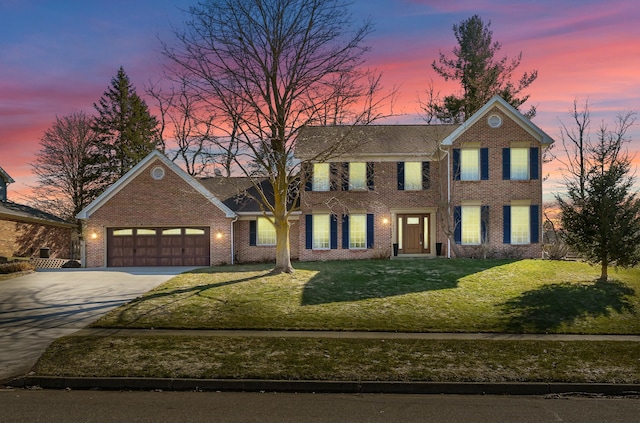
354, 335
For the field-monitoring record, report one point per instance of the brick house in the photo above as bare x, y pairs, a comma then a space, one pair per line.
473, 189
25, 230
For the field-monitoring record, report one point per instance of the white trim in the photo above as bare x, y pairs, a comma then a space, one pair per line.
507, 109
140, 167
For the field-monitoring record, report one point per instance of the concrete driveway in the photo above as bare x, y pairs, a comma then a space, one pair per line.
37, 308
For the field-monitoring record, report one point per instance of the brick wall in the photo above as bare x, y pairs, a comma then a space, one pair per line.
246, 253
26, 239
146, 202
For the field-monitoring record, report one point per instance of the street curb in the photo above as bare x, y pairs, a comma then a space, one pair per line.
346, 387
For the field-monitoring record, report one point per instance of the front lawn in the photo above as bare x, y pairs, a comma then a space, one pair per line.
526, 296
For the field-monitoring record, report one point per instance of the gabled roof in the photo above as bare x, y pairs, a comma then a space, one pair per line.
4, 175
375, 141
136, 170
21, 213
509, 110
240, 194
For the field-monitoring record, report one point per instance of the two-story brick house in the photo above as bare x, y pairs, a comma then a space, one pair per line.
473, 189
411, 190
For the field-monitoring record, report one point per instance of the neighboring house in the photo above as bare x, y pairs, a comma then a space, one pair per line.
410, 190
24, 230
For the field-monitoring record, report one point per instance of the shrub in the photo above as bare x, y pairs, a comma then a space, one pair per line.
16, 266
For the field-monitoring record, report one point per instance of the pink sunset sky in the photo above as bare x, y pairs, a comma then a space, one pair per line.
58, 56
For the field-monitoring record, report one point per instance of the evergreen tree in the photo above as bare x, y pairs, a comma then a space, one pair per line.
601, 216
126, 131
480, 73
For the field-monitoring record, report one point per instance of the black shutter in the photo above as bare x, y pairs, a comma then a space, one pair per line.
534, 171
426, 176
345, 231
506, 164
345, 176
334, 176
484, 164
370, 230
484, 224
534, 224
457, 224
370, 174
308, 176
334, 231
253, 232
506, 224
400, 176
308, 231
456, 164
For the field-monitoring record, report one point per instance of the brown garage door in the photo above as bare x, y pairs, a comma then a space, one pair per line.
158, 247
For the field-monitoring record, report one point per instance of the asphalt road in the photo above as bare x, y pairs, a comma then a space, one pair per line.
37, 308
86, 406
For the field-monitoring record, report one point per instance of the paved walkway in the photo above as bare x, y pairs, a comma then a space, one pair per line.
355, 335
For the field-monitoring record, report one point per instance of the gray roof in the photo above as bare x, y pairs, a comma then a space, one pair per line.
238, 193
22, 213
382, 141
4, 175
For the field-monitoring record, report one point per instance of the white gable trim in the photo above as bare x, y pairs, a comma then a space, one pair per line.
509, 110
139, 168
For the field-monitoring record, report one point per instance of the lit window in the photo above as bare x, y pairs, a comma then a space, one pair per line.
358, 231
520, 224
320, 177
470, 225
172, 231
194, 231
357, 176
321, 228
519, 164
146, 232
412, 176
122, 232
266, 232
470, 164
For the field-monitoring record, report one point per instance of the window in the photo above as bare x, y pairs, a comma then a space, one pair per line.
413, 176
357, 231
519, 164
321, 232
320, 177
194, 231
172, 231
146, 232
470, 164
520, 224
265, 232
470, 225
357, 176
122, 232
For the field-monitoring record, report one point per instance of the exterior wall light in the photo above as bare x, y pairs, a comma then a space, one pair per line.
385, 221
218, 235
93, 235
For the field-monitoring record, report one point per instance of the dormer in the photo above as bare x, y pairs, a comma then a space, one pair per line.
5, 180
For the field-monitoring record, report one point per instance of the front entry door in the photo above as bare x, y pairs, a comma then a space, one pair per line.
413, 233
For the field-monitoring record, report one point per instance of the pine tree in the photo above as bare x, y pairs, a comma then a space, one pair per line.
601, 214
126, 130
481, 75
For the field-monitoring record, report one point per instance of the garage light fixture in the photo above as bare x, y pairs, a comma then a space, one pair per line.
218, 235
94, 235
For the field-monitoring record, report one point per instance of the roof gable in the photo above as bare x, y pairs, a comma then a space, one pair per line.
508, 110
140, 167
5, 176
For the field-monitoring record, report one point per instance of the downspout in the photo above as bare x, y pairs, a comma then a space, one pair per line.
235, 219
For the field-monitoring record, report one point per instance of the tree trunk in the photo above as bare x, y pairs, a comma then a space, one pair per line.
604, 271
283, 248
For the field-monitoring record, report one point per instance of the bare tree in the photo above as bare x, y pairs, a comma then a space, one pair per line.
266, 68
576, 144
64, 165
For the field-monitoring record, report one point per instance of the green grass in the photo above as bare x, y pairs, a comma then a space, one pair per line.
530, 296
527, 296
342, 359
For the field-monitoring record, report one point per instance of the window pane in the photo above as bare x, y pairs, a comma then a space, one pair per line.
172, 231
471, 225
520, 225
320, 177
426, 232
321, 231
412, 176
146, 232
470, 164
400, 233
357, 231
357, 176
519, 164
266, 232
122, 232
193, 231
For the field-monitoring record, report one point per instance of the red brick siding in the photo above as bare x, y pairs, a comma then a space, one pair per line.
26, 239
246, 253
146, 202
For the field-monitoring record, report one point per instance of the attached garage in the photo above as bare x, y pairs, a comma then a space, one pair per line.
128, 247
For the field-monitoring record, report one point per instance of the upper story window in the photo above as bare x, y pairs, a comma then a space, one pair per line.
320, 181
520, 163
265, 232
470, 164
413, 176
357, 176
